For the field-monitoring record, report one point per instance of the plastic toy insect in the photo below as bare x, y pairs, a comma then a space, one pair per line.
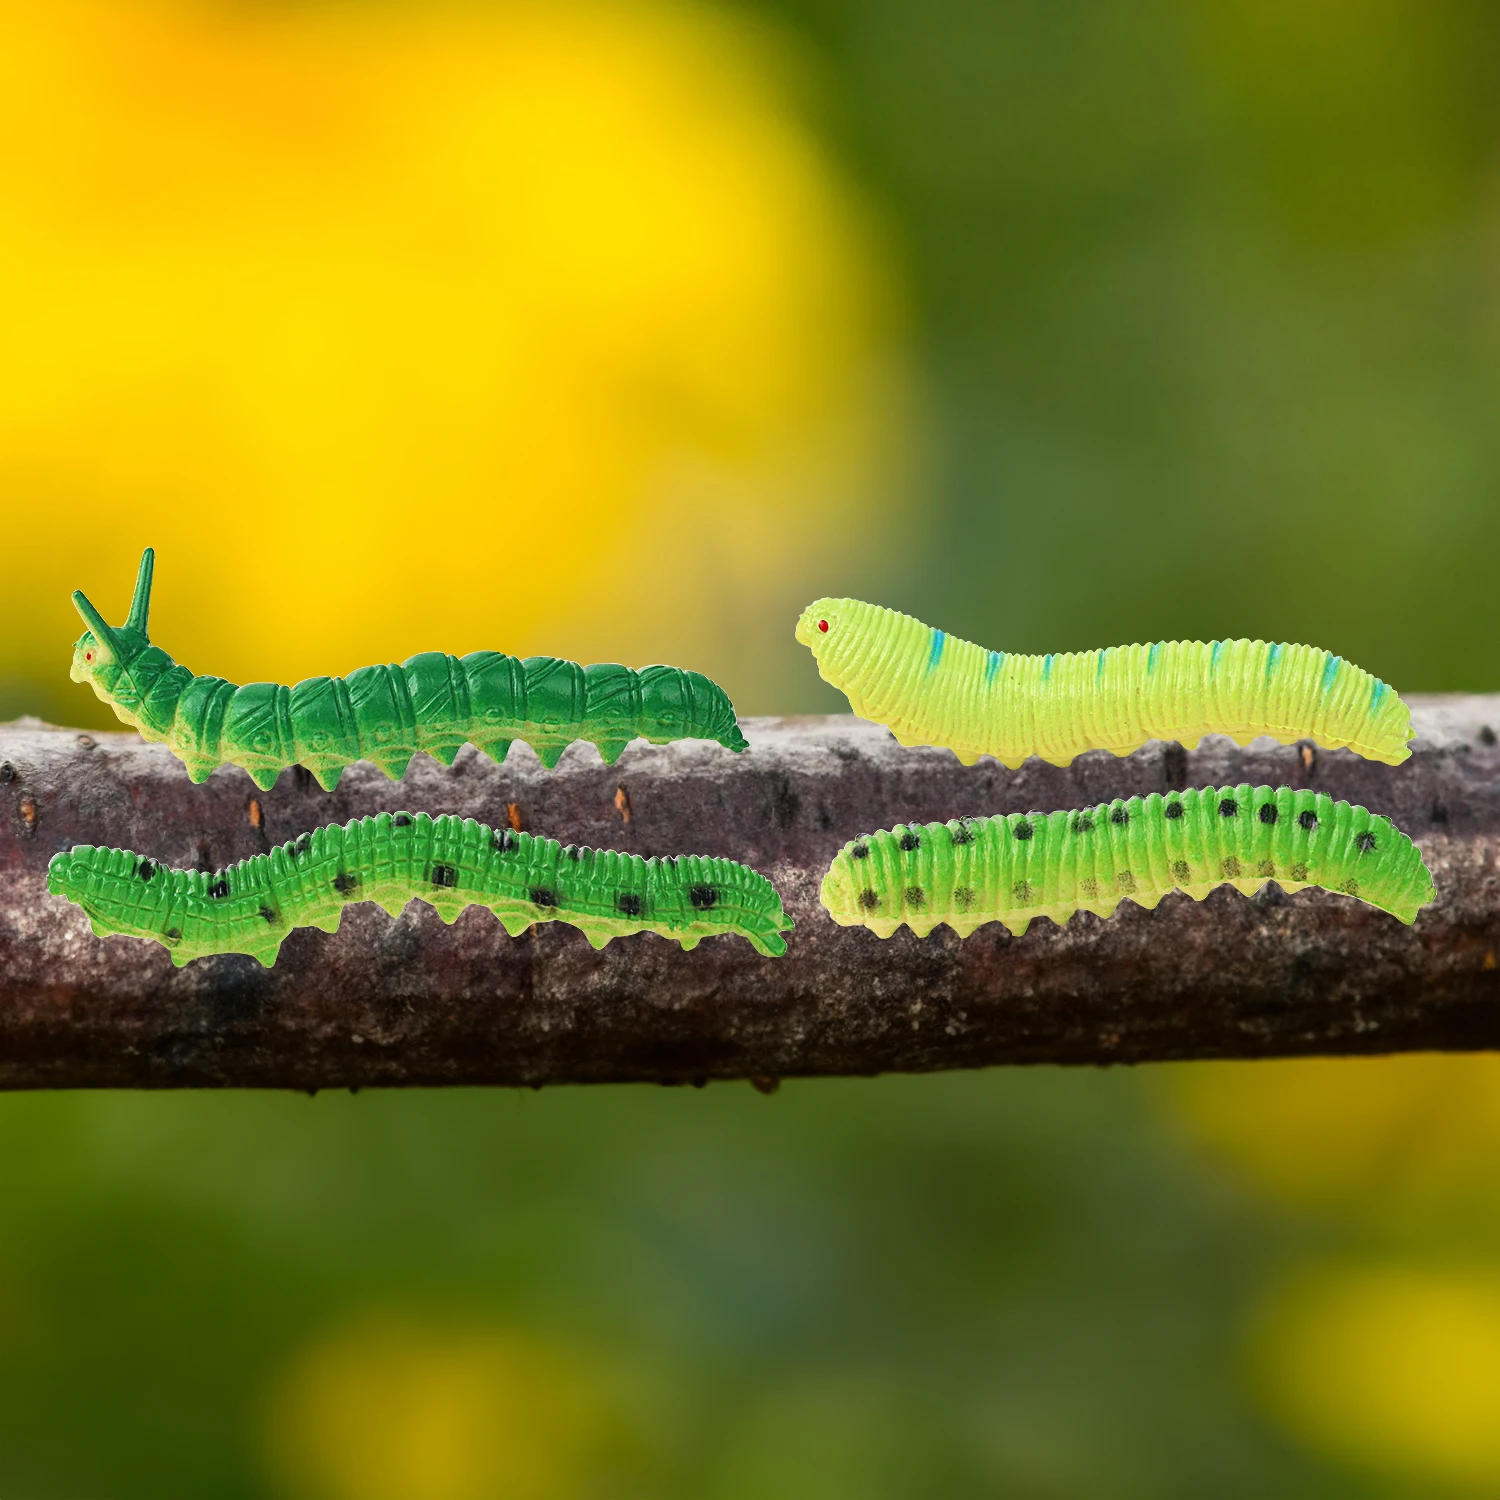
385, 714
932, 689
1018, 867
449, 862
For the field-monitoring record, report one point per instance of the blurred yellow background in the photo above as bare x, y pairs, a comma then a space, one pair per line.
539, 328
616, 330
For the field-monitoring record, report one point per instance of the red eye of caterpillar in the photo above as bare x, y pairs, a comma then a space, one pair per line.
88, 656
823, 626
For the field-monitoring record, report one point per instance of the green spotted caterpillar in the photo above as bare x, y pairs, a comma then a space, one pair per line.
385, 714
449, 862
1014, 868
933, 689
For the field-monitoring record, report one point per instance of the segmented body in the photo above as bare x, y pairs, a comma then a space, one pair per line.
1021, 866
390, 859
385, 714
933, 689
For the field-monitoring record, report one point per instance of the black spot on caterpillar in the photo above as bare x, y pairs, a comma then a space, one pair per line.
385, 714
449, 862
1183, 842
1228, 808
146, 869
910, 841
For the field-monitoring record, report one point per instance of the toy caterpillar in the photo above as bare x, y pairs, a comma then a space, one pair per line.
932, 689
1015, 868
448, 862
385, 714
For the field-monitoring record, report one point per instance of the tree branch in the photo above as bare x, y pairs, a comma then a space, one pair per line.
415, 1002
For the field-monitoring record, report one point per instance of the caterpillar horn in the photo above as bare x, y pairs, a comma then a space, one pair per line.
102, 631
140, 605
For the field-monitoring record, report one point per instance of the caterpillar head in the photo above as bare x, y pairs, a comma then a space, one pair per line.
846, 891
833, 630
859, 646
114, 887
68, 872
104, 654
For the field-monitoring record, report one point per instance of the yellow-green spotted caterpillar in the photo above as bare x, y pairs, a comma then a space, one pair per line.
385, 714
449, 862
1015, 868
932, 689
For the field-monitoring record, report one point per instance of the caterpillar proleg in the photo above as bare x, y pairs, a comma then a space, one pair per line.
1015, 868
933, 689
449, 862
385, 714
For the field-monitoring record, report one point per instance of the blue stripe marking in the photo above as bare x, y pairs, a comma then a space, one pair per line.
1213, 660
936, 654
1272, 660
992, 666
1099, 675
1151, 657
1378, 693
1047, 666
1331, 671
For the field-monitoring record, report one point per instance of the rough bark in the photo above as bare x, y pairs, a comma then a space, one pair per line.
415, 1002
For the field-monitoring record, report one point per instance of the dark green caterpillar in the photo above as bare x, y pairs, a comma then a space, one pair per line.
448, 862
385, 714
1016, 868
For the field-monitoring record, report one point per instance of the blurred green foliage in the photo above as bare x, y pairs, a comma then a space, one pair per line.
1205, 317
991, 1284
1209, 309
